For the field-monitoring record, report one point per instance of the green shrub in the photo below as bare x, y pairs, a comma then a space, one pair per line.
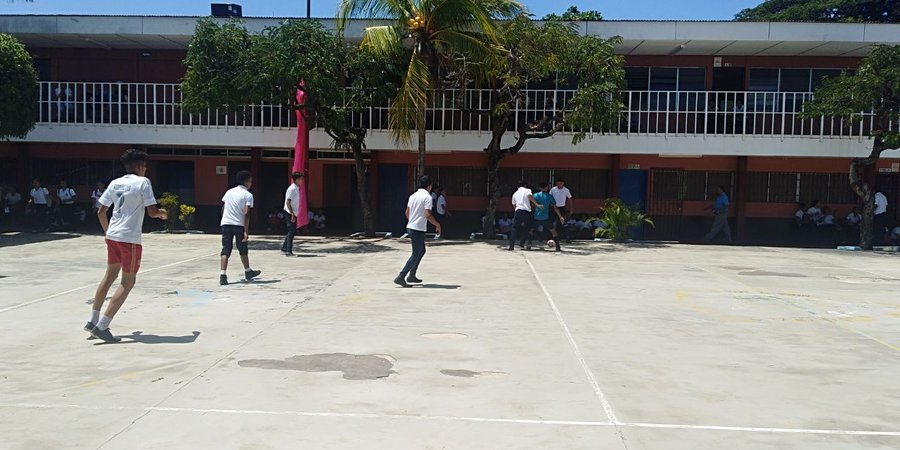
619, 219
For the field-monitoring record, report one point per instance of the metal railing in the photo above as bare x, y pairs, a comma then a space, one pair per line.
645, 113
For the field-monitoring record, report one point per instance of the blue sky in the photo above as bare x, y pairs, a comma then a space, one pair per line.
611, 9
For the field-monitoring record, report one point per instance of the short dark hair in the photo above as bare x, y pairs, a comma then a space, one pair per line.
132, 157
243, 176
522, 183
425, 181
560, 179
296, 175
544, 185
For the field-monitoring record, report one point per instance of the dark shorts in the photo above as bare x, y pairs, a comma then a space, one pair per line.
542, 225
124, 253
233, 235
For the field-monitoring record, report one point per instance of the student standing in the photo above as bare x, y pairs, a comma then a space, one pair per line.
292, 207
237, 203
720, 213
880, 222
40, 202
522, 201
544, 222
441, 207
66, 197
418, 214
131, 194
563, 198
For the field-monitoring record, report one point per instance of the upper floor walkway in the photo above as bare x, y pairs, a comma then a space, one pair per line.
655, 122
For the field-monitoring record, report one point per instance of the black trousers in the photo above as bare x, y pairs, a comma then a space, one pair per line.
521, 227
288, 245
878, 229
233, 235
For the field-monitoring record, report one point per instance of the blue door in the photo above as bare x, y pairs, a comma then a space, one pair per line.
633, 192
393, 193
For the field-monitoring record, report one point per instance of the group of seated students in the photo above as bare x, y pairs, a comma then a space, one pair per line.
576, 226
819, 217
277, 218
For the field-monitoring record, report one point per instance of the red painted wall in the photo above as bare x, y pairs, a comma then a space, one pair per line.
161, 66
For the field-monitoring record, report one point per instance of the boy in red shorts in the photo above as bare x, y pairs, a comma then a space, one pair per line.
131, 195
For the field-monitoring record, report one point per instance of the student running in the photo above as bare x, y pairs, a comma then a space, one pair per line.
237, 203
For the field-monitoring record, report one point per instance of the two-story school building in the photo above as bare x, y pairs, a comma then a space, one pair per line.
706, 104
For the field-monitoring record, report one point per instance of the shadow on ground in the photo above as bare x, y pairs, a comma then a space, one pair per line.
20, 238
322, 246
140, 337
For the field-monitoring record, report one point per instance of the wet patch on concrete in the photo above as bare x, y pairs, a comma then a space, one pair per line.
764, 273
738, 268
353, 367
449, 336
465, 373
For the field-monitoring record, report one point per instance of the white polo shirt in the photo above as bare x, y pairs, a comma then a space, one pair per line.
561, 196
131, 195
881, 203
66, 195
292, 197
40, 195
520, 199
442, 205
236, 200
417, 204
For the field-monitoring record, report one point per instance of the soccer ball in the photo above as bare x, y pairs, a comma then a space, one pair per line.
551, 244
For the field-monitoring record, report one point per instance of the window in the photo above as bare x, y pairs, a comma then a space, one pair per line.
772, 187
692, 79
764, 80
585, 183
463, 181
699, 185
819, 76
794, 80
663, 78
637, 78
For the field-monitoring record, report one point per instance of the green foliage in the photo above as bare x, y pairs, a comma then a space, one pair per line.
533, 52
620, 220
823, 11
874, 86
430, 38
573, 15
185, 214
169, 202
18, 89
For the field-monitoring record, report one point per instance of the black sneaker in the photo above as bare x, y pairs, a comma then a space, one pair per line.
105, 335
223, 280
251, 274
412, 279
511, 248
89, 326
399, 281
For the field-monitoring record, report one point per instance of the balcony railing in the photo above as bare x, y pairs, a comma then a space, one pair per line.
645, 113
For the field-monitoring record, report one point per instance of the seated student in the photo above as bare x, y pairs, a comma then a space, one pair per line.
895, 235
800, 215
827, 218
814, 213
318, 220
506, 224
274, 221
854, 218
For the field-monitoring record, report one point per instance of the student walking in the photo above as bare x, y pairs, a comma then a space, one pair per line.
292, 208
441, 207
131, 194
418, 214
563, 198
66, 196
720, 220
880, 220
237, 203
522, 201
544, 222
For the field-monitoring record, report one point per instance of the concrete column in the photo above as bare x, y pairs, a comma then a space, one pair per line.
614, 162
740, 194
258, 217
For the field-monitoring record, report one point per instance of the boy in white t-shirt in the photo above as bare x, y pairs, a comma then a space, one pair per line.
235, 223
131, 194
418, 214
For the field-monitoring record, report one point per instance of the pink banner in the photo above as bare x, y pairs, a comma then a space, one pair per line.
301, 152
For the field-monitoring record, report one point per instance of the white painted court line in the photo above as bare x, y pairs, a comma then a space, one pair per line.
578, 354
38, 300
340, 415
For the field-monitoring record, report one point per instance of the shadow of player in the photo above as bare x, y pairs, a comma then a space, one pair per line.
140, 337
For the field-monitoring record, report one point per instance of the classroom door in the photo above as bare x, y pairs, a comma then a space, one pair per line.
666, 203
633, 192
393, 192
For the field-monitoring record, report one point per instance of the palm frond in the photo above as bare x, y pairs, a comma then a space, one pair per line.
383, 41
407, 109
373, 9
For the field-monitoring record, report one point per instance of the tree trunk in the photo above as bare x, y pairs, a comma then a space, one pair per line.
493, 175
865, 192
361, 185
422, 131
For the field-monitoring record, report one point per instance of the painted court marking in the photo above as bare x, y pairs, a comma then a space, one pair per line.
38, 300
150, 409
590, 375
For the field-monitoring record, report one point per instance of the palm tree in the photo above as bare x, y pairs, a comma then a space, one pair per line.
435, 35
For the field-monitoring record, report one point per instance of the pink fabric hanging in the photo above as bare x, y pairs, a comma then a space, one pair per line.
301, 152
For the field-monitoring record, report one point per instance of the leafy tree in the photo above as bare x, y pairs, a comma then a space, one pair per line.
435, 37
228, 67
875, 87
823, 11
574, 15
18, 89
532, 52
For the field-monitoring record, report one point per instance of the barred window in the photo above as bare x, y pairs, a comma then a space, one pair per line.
700, 185
462, 181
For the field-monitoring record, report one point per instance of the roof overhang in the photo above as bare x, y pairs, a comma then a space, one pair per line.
639, 37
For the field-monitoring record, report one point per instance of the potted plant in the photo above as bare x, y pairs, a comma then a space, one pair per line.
186, 215
169, 202
618, 220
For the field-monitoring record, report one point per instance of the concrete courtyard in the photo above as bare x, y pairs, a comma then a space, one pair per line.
601, 347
